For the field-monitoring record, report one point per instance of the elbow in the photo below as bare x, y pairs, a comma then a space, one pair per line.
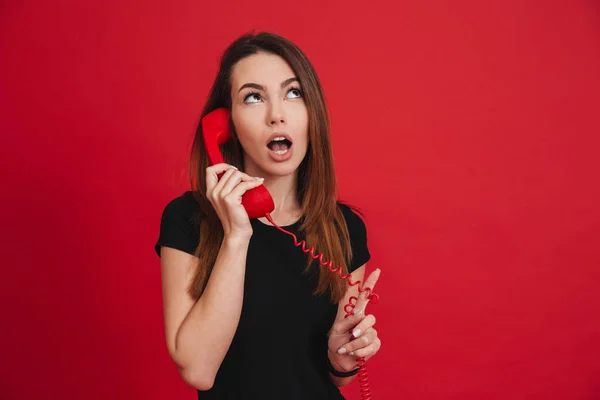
192, 374
203, 384
196, 374
199, 380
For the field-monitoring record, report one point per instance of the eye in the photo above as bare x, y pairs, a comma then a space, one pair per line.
250, 95
296, 92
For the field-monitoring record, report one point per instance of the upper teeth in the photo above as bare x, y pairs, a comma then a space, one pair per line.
278, 139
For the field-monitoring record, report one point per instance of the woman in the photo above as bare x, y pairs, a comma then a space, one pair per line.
248, 315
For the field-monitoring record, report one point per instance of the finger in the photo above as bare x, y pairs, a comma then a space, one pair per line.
212, 175
363, 299
236, 194
233, 180
216, 193
363, 325
343, 326
365, 340
369, 350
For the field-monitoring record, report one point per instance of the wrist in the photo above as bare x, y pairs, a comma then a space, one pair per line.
340, 367
236, 239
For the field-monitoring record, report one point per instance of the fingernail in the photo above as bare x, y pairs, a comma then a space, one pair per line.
260, 179
233, 167
356, 333
342, 350
359, 312
351, 353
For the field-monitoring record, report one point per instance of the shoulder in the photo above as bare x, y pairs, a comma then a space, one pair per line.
179, 224
183, 208
185, 201
353, 216
357, 232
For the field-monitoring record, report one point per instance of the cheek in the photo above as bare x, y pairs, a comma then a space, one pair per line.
245, 123
301, 122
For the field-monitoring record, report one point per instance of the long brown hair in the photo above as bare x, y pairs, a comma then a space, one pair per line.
323, 223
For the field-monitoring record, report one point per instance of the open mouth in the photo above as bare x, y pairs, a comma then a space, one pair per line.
279, 145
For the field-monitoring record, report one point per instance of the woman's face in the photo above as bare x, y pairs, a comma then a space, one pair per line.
269, 115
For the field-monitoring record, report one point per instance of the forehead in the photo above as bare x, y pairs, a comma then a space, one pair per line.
262, 68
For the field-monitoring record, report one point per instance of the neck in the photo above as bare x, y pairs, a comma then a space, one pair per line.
282, 190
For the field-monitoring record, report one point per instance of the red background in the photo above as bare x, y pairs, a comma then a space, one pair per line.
468, 134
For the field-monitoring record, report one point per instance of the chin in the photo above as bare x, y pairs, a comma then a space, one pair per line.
283, 169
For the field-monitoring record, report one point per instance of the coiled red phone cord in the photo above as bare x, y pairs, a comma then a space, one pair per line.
363, 377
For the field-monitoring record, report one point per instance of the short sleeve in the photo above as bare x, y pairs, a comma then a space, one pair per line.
358, 238
179, 228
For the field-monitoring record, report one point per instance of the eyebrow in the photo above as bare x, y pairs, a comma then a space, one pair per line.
260, 87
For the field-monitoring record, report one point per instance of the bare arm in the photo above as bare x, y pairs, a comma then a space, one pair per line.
199, 333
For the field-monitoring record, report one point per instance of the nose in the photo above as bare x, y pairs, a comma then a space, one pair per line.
274, 121
276, 115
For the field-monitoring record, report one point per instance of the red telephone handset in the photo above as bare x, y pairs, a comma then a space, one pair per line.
215, 129
259, 203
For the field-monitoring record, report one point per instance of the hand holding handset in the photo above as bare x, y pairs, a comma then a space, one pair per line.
258, 203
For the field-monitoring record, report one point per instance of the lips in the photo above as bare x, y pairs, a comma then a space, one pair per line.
278, 135
279, 145
280, 152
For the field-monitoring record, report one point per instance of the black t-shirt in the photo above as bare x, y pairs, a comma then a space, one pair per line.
279, 349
